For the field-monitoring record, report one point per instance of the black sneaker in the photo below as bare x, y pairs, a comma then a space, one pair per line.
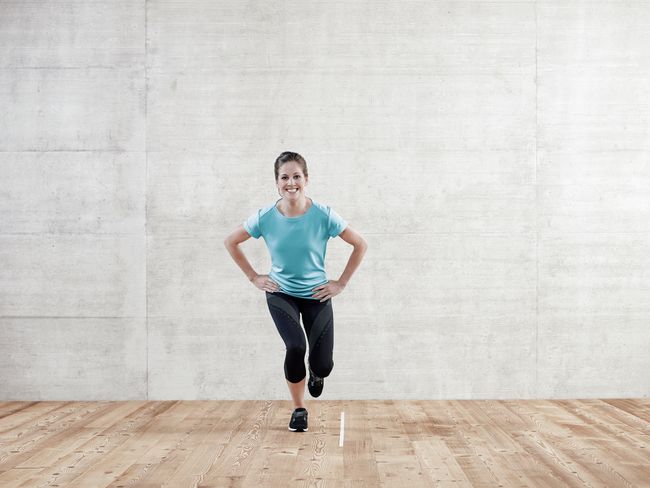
315, 384
298, 420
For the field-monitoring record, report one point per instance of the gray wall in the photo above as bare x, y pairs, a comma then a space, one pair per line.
495, 155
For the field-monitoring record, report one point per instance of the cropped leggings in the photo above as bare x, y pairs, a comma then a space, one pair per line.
318, 320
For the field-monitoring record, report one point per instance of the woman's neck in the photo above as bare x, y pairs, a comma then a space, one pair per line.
292, 209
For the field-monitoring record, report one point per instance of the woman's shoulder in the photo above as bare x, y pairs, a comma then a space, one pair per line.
321, 206
261, 211
326, 211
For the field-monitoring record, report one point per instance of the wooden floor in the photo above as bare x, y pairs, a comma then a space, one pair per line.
484, 443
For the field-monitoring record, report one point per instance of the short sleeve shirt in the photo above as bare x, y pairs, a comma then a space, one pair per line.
297, 245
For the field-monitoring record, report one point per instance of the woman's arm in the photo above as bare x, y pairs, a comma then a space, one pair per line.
263, 282
360, 245
333, 288
232, 242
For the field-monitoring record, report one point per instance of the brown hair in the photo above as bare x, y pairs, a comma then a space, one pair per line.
287, 156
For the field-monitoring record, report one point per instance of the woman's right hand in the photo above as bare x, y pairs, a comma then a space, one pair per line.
263, 282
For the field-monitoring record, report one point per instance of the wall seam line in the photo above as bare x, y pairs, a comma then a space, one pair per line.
146, 203
537, 393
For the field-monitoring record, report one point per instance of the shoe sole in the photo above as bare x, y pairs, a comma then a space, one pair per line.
299, 430
315, 394
309, 387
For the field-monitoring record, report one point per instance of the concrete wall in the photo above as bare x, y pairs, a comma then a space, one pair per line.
495, 155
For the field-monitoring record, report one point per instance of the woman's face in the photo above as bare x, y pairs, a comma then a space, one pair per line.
290, 178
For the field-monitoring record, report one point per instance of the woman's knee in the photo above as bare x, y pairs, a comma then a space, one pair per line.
322, 369
296, 350
294, 365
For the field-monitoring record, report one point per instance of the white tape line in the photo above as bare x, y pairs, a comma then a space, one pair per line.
342, 433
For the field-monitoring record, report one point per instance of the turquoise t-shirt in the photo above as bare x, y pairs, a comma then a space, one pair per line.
297, 245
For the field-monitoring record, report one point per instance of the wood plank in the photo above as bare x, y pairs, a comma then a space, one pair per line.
570, 459
111, 434
320, 458
183, 436
429, 442
459, 443
12, 408
276, 460
638, 408
37, 430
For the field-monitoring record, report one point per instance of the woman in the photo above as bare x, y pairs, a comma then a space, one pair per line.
296, 230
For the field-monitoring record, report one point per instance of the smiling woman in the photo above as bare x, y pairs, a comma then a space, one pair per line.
291, 177
296, 230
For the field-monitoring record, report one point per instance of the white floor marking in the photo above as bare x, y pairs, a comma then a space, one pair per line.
342, 433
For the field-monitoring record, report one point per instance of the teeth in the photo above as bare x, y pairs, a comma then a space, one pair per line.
292, 191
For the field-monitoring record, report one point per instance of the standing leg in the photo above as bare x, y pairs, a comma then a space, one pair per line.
286, 315
297, 391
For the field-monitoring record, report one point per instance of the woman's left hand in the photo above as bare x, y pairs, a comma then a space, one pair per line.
328, 290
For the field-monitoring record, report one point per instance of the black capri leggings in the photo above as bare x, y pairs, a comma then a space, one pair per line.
318, 320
